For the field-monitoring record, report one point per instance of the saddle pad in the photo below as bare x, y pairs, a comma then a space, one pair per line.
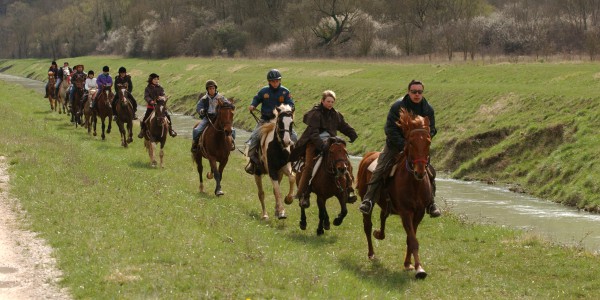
373, 165
315, 169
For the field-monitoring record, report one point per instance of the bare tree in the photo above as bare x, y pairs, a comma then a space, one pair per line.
336, 26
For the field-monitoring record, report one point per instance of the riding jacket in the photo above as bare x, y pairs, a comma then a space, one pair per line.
318, 120
271, 98
394, 135
151, 93
76, 75
209, 104
54, 71
122, 80
104, 79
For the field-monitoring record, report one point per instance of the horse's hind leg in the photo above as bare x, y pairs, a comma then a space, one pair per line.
162, 154
130, 132
302, 218
380, 234
367, 227
323, 216
200, 168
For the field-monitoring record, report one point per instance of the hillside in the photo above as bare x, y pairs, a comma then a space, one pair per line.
529, 125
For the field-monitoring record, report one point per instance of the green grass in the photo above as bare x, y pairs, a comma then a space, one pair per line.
122, 229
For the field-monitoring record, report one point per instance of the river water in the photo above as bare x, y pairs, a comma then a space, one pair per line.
476, 201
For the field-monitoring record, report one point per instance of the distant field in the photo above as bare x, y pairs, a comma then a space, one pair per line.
533, 125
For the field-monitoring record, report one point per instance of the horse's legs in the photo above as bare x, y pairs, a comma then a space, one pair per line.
323, 216
380, 234
344, 210
367, 227
302, 218
109, 122
279, 209
162, 154
95, 121
292, 181
123, 133
200, 168
412, 245
261, 196
130, 132
103, 128
217, 175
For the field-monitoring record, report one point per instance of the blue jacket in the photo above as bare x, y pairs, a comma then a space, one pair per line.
205, 103
395, 137
104, 79
271, 98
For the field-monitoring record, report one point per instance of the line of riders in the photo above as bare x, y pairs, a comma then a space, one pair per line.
152, 92
322, 121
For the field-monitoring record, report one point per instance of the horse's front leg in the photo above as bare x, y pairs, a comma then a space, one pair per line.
279, 209
323, 216
130, 132
367, 227
261, 196
289, 198
162, 154
109, 122
380, 234
103, 128
95, 121
302, 218
217, 175
412, 245
200, 168
342, 198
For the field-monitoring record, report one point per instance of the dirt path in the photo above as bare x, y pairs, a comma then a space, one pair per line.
27, 268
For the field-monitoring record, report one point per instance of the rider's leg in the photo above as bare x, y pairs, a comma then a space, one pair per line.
309, 164
58, 81
384, 161
171, 131
432, 209
46, 89
143, 123
253, 144
197, 132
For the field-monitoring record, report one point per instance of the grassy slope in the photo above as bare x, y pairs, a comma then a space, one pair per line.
124, 230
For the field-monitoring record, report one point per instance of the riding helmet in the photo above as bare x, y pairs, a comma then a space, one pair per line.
105, 69
210, 83
274, 74
122, 70
90, 72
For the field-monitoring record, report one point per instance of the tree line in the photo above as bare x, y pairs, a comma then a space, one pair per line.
454, 29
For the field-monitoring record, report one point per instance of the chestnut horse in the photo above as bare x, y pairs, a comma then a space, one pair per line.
407, 193
215, 144
50, 91
157, 129
332, 177
274, 152
124, 109
77, 95
87, 110
103, 109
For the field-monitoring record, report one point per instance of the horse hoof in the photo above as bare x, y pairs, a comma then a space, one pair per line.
219, 193
288, 200
378, 235
265, 217
326, 226
209, 175
337, 222
372, 257
95, 134
302, 225
130, 140
281, 216
320, 231
421, 274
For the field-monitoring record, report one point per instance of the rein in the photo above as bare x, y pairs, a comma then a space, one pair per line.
331, 169
424, 160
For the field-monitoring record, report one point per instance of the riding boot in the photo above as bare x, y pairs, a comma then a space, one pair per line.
172, 132
142, 130
367, 204
253, 162
432, 209
195, 145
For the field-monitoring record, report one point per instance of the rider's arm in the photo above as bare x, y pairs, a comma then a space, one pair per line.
393, 132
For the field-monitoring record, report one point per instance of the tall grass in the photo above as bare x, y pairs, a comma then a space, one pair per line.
122, 229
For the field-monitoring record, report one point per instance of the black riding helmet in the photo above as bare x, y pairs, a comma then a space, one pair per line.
90, 72
210, 83
105, 69
274, 74
122, 70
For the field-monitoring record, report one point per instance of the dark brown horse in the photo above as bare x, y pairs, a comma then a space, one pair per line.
157, 129
216, 144
407, 193
50, 91
103, 109
275, 147
124, 109
77, 96
332, 177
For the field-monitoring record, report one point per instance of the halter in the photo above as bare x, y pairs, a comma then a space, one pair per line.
331, 165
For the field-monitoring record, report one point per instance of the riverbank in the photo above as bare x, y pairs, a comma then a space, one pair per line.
497, 123
121, 229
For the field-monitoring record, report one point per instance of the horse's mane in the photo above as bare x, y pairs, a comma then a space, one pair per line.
409, 121
266, 128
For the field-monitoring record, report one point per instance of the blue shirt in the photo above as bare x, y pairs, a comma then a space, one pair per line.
104, 79
269, 98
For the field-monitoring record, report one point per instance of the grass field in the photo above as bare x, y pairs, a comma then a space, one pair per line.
124, 230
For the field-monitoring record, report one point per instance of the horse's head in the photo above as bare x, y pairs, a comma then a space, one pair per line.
337, 156
66, 72
122, 92
284, 123
160, 108
80, 83
225, 111
418, 140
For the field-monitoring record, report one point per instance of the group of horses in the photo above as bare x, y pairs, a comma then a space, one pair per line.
407, 192
157, 123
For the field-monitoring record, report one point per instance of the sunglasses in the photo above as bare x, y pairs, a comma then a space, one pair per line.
416, 92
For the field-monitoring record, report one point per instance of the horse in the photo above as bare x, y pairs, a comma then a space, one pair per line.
157, 129
332, 177
87, 110
275, 148
77, 96
215, 144
103, 109
407, 193
124, 109
62, 91
50, 91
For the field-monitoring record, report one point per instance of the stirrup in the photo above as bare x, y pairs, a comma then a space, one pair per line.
366, 207
250, 169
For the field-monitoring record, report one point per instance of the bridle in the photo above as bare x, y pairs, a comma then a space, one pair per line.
220, 128
411, 162
331, 165
280, 132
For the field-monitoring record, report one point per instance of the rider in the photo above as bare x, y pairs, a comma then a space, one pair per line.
414, 102
78, 74
270, 96
322, 121
206, 108
103, 80
90, 84
54, 69
123, 78
60, 74
152, 92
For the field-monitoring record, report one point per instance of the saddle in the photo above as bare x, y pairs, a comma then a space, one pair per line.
397, 159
